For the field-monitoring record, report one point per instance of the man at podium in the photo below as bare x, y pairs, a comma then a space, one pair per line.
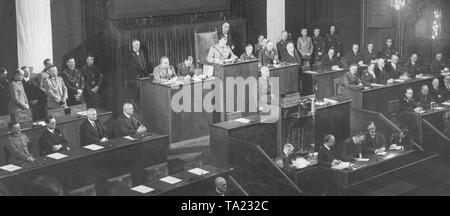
221, 53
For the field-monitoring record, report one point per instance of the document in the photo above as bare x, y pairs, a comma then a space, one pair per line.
40, 123
57, 156
10, 168
377, 85
243, 120
446, 103
198, 171
84, 113
331, 101
170, 180
129, 138
310, 72
142, 189
382, 153
341, 166
94, 147
399, 80
362, 159
300, 163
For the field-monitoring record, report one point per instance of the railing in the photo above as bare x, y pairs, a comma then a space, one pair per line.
434, 140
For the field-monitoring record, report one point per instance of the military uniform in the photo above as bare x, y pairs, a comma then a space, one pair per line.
217, 54
333, 41
74, 81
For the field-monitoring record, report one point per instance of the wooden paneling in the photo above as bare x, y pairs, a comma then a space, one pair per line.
8, 32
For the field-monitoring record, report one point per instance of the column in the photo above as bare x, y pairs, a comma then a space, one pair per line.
276, 19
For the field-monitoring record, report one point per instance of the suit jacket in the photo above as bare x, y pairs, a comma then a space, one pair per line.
352, 58
48, 140
372, 144
406, 142
90, 134
408, 105
411, 69
348, 81
281, 48
92, 78
56, 91
367, 79
446, 91
394, 73
319, 46
266, 57
18, 97
183, 70
349, 150
137, 65
296, 59
387, 52
287, 160
333, 41
437, 66
326, 157
328, 63
424, 101
368, 57
382, 75
438, 95
128, 126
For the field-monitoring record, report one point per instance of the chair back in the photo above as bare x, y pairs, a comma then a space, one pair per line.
156, 172
203, 42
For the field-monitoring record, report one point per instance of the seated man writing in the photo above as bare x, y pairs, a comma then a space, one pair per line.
164, 71
327, 156
374, 142
221, 53
351, 149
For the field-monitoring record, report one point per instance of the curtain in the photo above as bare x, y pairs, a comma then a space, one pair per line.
34, 33
276, 21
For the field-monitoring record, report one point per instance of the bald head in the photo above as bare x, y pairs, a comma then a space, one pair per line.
128, 109
92, 114
221, 185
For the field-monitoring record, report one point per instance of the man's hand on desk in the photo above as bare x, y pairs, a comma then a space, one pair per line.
418, 110
335, 163
141, 129
104, 139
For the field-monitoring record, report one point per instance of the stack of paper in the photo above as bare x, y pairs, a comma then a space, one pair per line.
382, 153
446, 103
198, 171
170, 180
57, 156
142, 189
10, 168
341, 166
129, 138
331, 101
362, 159
243, 120
93, 147
377, 85
399, 80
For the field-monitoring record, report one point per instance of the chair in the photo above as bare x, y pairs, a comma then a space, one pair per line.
84, 191
183, 162
156, 172
203, 42
120, 182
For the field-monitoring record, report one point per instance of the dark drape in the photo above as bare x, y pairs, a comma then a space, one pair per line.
8, 35
255, 13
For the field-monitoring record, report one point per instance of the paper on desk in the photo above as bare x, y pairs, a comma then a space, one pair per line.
399, 80
10, 168
170, 180
362, 159
142, 189
446, 103
377, 85
422, 112
84, 113
198, 171
40, 123
243, 120
445, 74
94, 147
129, 138
330, 101
341, 166
382, 153
311, 72
57, 156
396, 148
440, 108
300, 163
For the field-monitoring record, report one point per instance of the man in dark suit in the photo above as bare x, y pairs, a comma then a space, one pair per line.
282, 44
351, 148
128, 124
93, 79
52, 140
394, 69
226, 31
92, 130
137, 68
329, 61
438, 65
36, 97
381, 73
333, 41
319, 45
4, 92
408, 104
288, 156
402, 139
353, 57
327, 156
350, 80
374, 142
424, 99
446, 88
412, 67
437, 92
369, 55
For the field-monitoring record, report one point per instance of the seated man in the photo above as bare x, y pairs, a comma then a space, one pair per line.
402, 139
437, 92
393, 68
248, 55
128, 124
383, 76
291, 56
374, 142
412, 67
353, 57
268, 55
327, 156
164, 71
221, 186
438, 65
330, 61
91, 130
350, 80
424, 99
52, 140
351, 148
221, 53
17, 145
408, 104
186, 68
288, 156
369, 76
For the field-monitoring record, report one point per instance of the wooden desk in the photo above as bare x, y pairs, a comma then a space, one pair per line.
385, 100
159, 115
69, 126
289, 77
326, 82
376, 166
84, 167
187, 187
237, 70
